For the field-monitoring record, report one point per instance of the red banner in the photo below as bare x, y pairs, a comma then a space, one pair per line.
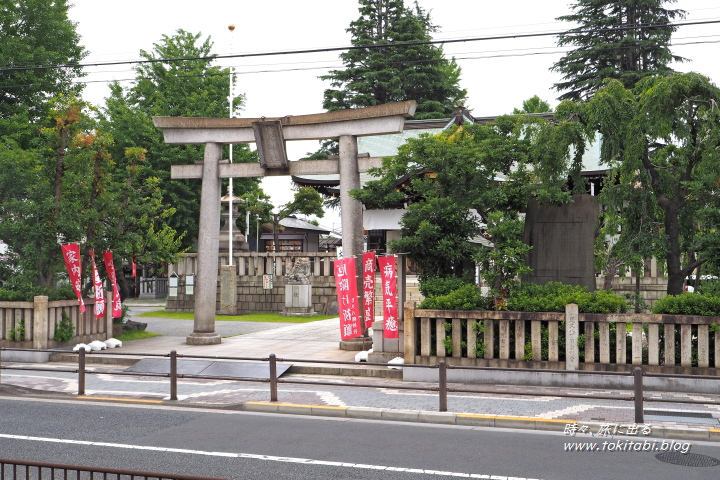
346, 285
368, 260
98, 286
134, 267
388, 274
110, 269
71, 255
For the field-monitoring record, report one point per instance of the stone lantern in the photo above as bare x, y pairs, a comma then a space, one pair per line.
239, 243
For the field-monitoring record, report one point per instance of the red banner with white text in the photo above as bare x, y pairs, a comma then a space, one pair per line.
368, 260
110, 269
348, 308
98, 286
71, 255
388, 274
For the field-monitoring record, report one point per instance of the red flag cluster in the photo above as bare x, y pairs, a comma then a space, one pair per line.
71, 255
346, 284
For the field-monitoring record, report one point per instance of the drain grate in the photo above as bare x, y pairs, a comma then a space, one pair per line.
688, 459
669, 413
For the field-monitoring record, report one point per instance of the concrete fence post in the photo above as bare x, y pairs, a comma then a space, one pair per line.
409, 332
40, 322
572, 328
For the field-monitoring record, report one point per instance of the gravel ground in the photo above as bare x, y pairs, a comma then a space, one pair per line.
182, 328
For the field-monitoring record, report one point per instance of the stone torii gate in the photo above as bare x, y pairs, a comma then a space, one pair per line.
270, 135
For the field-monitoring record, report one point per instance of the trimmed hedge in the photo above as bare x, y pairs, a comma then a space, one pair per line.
553, 297
689, 304
467, 297
439, 286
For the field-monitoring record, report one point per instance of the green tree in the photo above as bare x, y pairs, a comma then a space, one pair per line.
377, 72
37, 36
181, 80
662, 141
65, 191
533, 105
453, 184
625, 40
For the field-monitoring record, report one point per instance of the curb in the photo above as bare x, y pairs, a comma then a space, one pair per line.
463, 419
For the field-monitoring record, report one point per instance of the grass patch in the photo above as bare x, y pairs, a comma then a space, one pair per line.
127, 335
252, 317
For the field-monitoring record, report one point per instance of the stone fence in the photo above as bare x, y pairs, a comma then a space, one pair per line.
40, 317
255, 282
615, 342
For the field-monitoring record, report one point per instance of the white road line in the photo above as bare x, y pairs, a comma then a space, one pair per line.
269, 458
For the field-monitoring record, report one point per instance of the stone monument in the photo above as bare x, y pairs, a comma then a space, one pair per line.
298, 291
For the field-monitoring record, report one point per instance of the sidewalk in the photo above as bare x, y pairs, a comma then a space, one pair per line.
378, 398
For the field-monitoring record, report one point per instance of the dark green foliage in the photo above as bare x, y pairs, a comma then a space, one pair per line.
35, 33
195, 87
710, 287
65, 330
554, 296
662, 141
438, 286
374, 76
533, 105
467, 297
606, 48
25, 292
451, 182
688, 304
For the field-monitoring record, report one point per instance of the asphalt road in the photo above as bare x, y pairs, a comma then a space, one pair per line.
241, 445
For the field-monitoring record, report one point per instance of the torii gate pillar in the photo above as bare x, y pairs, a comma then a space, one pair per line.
270, 134
351, 219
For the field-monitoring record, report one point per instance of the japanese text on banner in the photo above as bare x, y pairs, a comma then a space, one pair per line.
110, 268
388, 274
368, 260
348, 308
98, 286
71, 255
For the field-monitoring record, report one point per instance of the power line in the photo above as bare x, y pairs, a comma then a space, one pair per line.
458, 56
359, 47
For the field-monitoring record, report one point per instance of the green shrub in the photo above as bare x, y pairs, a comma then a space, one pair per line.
27, 293
439, 286
17, 333
467, 297
65, 330
553, 297
710, 286
689, 304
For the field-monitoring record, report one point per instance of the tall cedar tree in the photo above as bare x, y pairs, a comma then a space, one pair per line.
378, 72
190, 87
35, 33
623, 39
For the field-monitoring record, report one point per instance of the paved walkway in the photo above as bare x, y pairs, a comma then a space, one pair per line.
377, 398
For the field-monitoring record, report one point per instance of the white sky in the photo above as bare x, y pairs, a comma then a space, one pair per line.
498, 74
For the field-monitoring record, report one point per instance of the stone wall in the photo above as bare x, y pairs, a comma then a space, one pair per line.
249, 269
651, 288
